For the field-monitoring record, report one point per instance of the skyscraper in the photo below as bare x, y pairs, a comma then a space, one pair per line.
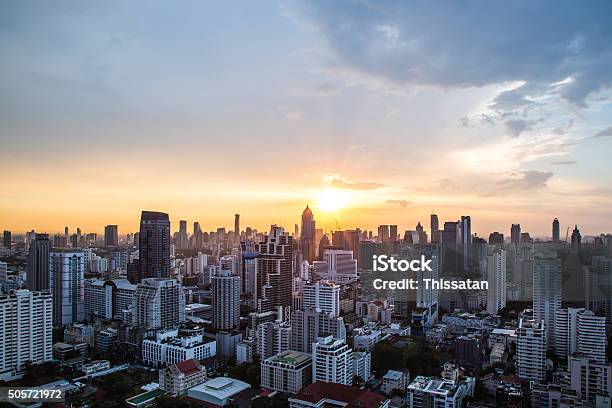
555, 230
66, 273
274, 270
515, 233
451, 249
383, 233
435, 228
496, 274
576, 239
530, 356
237, 225
38, 263
307, 239
154, 245
7, 239
466, 241
546, 293
226, 295
182, 239
392, 233
111, 235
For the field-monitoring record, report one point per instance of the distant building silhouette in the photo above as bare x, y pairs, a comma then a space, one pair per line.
556, 236
154, 244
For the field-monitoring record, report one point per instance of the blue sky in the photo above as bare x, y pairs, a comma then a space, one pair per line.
497, 110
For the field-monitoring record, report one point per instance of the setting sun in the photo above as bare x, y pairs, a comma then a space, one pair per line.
331, 200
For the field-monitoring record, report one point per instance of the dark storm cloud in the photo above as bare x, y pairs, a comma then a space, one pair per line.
457, 44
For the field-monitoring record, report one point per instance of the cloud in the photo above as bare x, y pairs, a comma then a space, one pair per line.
442, 44
607, 132
527, 180
340, 182
402, 203
514, 127
564, 162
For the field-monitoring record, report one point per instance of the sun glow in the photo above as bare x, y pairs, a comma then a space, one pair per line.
331, 200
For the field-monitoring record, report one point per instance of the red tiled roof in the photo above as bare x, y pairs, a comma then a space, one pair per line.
187, 366
353, 396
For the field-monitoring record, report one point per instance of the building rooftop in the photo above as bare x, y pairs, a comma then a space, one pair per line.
219, 388
293, 358
353, 396
393, 375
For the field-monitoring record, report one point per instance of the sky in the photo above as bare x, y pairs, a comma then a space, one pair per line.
371, 112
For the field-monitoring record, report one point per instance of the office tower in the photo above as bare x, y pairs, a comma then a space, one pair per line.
7, 239
556, 232
576, 239
323, 296
273, 338
323, 243
352, 241
466, 241
66, 280
158, 304
307, 325
496, 238
496, 276
197, 239
60, 241
546, 293
38, 263
383, 233
598, 286
25, 330
274, 270
434, 228
74, 241
515, 233
226, 295
392, 233
66, 231
108, 299
154, 245
248, 265
451, 249
530, 356
237, 225
421, 234
332, 361
182, 238
307, 239
592, 380
111, 235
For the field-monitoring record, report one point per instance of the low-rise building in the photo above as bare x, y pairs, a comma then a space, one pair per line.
440, 393
332, 395
394, 380
173, 346
245, 351
288, 372
95, 366
177, 378
217, 391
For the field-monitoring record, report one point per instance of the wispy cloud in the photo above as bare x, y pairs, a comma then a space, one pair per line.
401, 203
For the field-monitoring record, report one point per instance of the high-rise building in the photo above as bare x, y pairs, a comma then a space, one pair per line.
466, 241
496, 238
107, 299
576, 239
274, 270
307, 325
435, 228
556, 230
3, 272
111, 235
332, 361
226, 295
496, 276
337, 266
580, 331
237, 225
273, 338
515, 233
324, 296
182, 238
7, 239
38, 263
154, 253
158, 304
546, 293
392, 233
383, 233
451, 252
598, 286
66, 281
307, 239
530, 356
591, 379
25, 331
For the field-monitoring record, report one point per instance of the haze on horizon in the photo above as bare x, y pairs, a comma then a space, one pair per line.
396, 109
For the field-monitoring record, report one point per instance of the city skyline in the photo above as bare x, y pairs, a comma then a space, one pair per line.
392, 119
